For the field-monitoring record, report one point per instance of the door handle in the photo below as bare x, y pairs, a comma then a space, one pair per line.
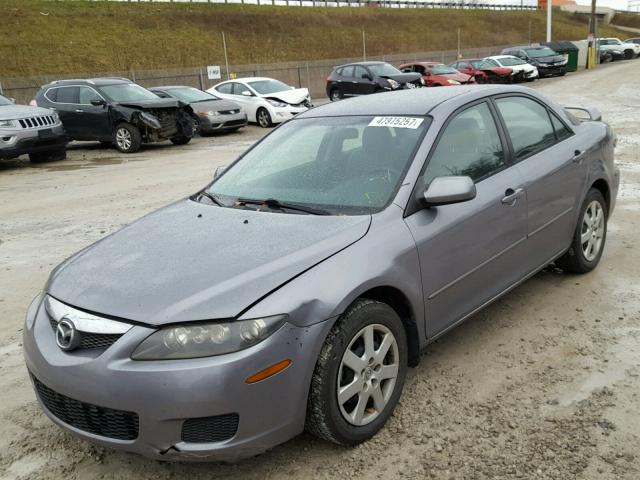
79, 111
511, 195
578, 156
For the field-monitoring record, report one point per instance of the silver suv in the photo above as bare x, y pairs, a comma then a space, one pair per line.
30, 130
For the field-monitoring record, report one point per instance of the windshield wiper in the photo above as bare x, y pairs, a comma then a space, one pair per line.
274, 204
204, 193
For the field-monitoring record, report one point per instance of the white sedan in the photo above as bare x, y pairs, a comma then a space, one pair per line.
267, 101
521, 69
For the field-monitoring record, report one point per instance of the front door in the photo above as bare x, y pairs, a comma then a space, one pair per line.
472, 251
364, 83
94, 120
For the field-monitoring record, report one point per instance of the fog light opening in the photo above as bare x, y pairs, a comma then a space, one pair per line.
268, 372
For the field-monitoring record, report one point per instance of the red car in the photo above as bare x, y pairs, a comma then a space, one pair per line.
436, 74
484, 71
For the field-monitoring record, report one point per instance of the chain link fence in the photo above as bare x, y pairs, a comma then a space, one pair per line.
311, 74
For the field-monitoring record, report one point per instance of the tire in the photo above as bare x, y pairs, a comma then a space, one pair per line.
576, 259
127, 138
49, 156
264, 118
529, 79
335, 95
628, 54
343, 423
180, 140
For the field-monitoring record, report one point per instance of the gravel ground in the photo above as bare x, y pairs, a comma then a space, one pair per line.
543, 384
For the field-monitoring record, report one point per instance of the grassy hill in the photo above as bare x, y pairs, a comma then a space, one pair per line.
75, 36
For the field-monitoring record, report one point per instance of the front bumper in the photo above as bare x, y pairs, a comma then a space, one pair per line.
164, 394
215, 123
552, 70
14, 142
282, 114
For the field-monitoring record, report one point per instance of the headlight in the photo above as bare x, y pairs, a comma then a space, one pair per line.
392, 83
277, 103
7, 123
206, 339
453, 82
150, 120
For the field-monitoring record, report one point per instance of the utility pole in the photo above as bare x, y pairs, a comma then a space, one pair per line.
364, 46
226, 59
459, 56
549, 7
591, 51
529, 31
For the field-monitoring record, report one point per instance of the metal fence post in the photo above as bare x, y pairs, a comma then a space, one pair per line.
201, 79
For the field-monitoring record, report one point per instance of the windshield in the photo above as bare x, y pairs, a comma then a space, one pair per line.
443, 70
511, 61
127, 92
344, 165
265, 87
484, 63
383, 69
191, 95
540, 52
4, 101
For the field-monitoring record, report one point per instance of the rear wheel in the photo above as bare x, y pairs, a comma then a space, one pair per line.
335, 95
359, 374
589, 236
264, 118
127, 138
48, 156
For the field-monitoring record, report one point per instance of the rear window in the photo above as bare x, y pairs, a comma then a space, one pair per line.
67, 95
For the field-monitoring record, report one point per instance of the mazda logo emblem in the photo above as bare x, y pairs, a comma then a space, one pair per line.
67, 336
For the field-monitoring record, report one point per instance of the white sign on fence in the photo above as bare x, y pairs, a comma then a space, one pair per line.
213, 72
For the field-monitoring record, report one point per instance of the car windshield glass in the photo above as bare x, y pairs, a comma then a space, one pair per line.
442, 70
4, 101
128, 92
383, 69
540, 52
191, 95
511, 61
343, 165
484, 64
265, 87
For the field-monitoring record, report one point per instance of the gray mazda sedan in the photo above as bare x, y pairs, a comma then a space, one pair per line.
295, 289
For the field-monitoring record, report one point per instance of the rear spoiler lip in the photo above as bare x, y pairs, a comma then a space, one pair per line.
594, 113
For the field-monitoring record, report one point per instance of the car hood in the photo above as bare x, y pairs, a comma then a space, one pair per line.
16, 112
159, 103
190, 261
404, 77
292, 97
214, 105
550, 59
458, 77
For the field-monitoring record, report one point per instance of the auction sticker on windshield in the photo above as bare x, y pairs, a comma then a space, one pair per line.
398, 122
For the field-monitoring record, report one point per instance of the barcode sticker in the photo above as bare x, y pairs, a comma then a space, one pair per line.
397, 122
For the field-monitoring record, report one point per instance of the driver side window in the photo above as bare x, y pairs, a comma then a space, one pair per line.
469, 146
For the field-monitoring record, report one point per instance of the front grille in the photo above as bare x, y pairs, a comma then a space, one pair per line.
102, 421
210, 429
37, 122
90, 340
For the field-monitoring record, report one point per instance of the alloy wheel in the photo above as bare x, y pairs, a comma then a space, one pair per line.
123, 139
592, 231
263, 118
367, 374
335, 95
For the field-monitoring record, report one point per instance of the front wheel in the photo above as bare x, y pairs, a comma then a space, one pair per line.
359, 374
264, 118
589, 236
127, 138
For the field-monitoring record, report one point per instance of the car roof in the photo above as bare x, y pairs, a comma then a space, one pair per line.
408, 102
169, 87
500, 57
364, 64
100, 81
249, 79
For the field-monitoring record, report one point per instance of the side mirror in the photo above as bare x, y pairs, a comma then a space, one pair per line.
246, 93
219, 171
448, 190
98, 102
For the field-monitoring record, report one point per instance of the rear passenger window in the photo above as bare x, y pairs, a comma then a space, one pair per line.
225, 88
470, 146
51, 94
67, 95
561, 130
528, 125
347, 71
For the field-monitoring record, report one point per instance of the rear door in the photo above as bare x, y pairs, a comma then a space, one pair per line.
66, 105
551, 161
348, 82
470, 252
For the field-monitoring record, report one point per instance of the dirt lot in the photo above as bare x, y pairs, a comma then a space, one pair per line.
545, 383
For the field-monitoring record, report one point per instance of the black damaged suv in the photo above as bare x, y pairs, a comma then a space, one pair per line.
116, 111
